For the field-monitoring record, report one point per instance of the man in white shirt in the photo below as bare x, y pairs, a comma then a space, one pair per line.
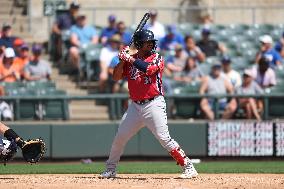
233, 76
156, 27
107, 54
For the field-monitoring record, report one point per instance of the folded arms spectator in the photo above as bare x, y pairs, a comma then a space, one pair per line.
9, 71
37, 69
215, 84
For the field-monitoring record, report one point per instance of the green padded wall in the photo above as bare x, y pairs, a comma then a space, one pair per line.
94, 140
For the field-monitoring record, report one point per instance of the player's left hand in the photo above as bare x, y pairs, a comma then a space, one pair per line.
124, 54
33, 150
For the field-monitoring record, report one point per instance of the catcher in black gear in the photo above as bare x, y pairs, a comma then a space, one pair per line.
32, 150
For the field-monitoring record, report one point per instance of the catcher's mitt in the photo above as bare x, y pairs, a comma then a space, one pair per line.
33, 150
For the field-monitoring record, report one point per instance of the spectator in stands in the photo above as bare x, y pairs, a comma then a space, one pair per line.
172, 38
110, 30
63, 23
279, 46
17, 46
209, 46
193, 50
5, 110
267, 49
191, 72
117, 86
9, 71
7, 40
177, 62
125, 35
206, 20
156, 27
37, 69
23, 58
106, 56
249, 87
233, 76
215, 84
263, 74
81, 35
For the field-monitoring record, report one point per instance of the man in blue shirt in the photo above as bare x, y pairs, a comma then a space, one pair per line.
171, 39
121, 30
268, 51
109, 31
7, 40
81, 36
63, 22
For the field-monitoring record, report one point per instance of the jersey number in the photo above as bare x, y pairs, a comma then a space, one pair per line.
147, 80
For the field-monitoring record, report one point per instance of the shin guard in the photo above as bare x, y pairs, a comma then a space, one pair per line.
179, 155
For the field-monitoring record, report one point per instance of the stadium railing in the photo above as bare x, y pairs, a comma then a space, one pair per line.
273, 103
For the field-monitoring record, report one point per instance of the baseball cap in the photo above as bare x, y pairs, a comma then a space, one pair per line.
226, 59
36, 48
24, 47
9, 53
206, 31
216, 66
248, 72
115, 38
266, 39
74, 5
178, 47
111, 18
153, 12
171, 28
18, 42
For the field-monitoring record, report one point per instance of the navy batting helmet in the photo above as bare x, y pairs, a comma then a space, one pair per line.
142, 36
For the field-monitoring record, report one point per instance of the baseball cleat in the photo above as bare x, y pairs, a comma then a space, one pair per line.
109, 173
188, 171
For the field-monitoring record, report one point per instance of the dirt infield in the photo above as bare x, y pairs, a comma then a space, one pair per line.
149, 181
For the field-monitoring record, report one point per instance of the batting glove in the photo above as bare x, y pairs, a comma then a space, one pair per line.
124, 54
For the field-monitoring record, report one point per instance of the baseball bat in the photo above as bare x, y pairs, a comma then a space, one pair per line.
140, 26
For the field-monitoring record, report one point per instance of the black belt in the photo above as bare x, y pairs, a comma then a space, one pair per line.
141, 102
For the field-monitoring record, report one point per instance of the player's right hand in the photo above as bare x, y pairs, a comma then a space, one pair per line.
8, 150
124, 54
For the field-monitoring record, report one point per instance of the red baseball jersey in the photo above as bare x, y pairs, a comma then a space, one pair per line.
145, 85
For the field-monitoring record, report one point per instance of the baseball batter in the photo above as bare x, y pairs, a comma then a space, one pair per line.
143, 71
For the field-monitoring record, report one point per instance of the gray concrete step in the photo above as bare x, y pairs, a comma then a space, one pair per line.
89, 116
9, 10
83, 103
